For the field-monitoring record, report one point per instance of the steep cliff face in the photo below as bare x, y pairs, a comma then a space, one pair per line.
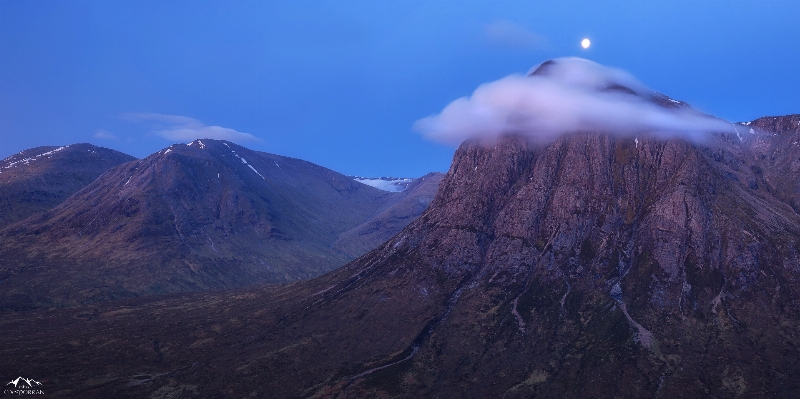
593, 266
599, 266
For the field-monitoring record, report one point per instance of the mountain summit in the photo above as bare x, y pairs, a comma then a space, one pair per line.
564, 96
40, 178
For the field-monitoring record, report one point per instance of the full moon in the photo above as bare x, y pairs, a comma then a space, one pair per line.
585, 43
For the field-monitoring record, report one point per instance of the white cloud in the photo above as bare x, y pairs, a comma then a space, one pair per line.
511, 35
104, 134
566, 95
183, 128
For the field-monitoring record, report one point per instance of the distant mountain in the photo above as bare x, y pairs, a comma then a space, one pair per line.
40, 178
393, 184
210, 214
415, 199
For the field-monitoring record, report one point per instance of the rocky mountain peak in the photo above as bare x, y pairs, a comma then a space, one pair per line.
588, 75
559, 261
777, 124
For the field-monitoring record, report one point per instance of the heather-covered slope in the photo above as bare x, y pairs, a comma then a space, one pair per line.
210, 214
590, 267
38, 179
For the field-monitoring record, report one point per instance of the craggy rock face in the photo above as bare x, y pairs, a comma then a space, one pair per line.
586, 200
590, 267
775, 144
599, 266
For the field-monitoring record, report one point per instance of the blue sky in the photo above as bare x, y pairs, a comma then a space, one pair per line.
341, 83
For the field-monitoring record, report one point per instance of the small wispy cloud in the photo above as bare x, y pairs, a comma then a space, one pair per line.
184, 128
511, 35
104, 135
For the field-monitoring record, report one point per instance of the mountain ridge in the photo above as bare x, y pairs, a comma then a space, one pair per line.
37, 179
207, 215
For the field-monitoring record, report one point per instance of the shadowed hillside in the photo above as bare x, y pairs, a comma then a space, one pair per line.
206, 215
40, 178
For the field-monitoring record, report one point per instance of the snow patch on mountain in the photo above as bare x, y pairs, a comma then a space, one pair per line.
244, 161
254, 170
391, 184
28, 160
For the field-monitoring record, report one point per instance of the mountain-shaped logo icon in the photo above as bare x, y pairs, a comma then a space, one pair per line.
20, 382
